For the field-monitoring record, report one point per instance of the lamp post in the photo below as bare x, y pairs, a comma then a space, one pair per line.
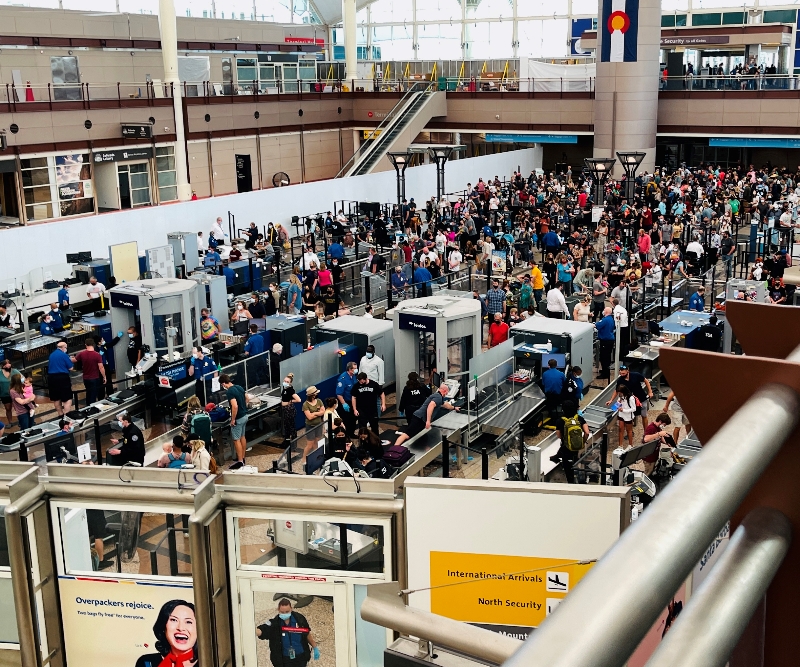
630, 161
400, 162
600, 168
440, 155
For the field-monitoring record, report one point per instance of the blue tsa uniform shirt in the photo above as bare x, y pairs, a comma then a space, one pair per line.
203, 367
344, 386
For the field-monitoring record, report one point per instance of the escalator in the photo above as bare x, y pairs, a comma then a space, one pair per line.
401, 126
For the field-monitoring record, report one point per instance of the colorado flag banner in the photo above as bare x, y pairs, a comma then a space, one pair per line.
620, 26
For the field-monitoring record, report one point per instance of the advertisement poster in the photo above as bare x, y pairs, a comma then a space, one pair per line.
505, 594
127, 624
653, 638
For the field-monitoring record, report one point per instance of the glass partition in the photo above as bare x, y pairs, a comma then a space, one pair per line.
310, 543
118, 542
8, 629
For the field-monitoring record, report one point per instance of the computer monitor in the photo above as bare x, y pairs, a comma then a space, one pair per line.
641, 327
315, 460
635, 454
54, 449
561, 360
260, 322
84, 256
73, 258
240, 328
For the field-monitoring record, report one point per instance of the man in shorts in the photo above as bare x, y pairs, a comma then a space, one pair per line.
680, 417
238, 405
58, 381
421, 418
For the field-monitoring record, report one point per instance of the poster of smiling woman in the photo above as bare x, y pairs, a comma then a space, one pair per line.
142, 624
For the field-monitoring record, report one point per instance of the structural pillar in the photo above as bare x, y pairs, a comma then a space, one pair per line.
626, 89
350, 42
169, 52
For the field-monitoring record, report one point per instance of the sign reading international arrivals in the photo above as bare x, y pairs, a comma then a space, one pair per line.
620, 27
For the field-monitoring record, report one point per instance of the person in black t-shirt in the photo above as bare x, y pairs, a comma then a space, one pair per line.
134, 350
639, 387
375, 468
413, 396
365, 394
708, 336
329, 301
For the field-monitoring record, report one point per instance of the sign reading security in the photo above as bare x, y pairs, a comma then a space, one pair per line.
488, 590
620, 26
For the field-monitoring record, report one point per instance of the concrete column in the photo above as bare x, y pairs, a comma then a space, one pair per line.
169, 52
350, 42
626, 93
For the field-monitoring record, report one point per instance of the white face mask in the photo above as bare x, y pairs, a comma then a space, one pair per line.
130, 335
240, 307
370, 355
121, 424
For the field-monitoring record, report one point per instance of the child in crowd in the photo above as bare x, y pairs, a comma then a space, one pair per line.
28, 393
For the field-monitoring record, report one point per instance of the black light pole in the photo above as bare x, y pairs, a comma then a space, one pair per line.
400, 162
440, 155
600, 168
630, 161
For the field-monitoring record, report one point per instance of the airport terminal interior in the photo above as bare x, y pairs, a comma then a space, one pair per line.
389, 333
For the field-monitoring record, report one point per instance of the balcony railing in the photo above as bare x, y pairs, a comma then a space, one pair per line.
733, 82
83, 95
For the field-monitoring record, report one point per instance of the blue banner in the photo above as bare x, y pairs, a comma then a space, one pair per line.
753, 142
531, 138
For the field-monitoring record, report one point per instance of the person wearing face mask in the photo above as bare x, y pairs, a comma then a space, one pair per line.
209, 326
372, 365
344, 394
46, 327
202, 369
291, 643
289, 399
55, 316
5, 382
368, 396
330, 302
134, 350
241, 314
130, 447
256, 308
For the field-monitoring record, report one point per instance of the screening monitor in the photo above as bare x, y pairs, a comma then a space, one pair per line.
57, 449
635, 454
240, 328
73, 258
84, 256
315, 460
561, 360
641, 327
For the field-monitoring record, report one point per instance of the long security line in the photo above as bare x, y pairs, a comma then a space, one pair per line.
407, 591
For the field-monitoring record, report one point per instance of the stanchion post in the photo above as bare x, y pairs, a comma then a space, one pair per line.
484, 463
445, 457
603, 457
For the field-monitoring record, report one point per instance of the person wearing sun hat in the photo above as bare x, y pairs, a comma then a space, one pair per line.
313, 409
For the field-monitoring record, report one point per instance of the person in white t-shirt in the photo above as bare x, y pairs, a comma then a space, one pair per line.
96, 289
454, 259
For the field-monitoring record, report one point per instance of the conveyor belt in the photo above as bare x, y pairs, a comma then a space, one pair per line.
514, 412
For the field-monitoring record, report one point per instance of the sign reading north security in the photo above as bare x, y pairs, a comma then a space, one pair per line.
502, 591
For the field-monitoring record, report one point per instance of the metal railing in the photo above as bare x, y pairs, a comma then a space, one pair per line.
54, 95
734, 82
656, 554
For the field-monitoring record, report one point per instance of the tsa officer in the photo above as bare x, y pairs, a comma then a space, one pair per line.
344, 394
201, 369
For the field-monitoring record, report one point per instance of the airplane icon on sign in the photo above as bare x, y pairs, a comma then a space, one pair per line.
557, 582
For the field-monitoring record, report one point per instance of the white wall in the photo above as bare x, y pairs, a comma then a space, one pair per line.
26, 248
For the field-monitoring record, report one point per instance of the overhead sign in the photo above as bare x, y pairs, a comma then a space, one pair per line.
304, 40
119, 300
125, 154
143, 131
492, 138
411, 322
691, 41
753, 142
174, 371
507, 594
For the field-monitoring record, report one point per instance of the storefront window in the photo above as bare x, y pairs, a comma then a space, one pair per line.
167, 178
290, 542
37, 191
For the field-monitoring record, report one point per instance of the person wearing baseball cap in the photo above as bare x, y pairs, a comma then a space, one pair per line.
314, 411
